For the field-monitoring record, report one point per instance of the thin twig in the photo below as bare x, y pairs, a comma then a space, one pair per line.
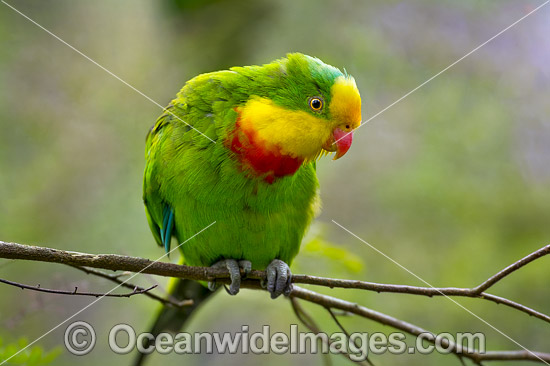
512, 268
332, 302
136, 290
303, 316
414, 290
116, 279
309, 322
337, 321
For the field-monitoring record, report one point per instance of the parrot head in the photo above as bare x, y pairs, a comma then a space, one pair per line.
300, 110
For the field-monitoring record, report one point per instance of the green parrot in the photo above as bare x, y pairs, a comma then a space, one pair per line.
235, 153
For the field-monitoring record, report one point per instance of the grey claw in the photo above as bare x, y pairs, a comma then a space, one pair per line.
234, 273
229, 290
212, 286
288, 288
278, 278
246, 267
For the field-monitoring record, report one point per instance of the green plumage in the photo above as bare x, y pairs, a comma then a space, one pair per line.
201, 182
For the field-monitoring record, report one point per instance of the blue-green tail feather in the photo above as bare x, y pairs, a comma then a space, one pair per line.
167, 227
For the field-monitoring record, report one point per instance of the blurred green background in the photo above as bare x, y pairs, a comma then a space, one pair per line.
452, 182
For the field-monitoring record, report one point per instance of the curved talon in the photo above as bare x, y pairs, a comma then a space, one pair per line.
234, 269
288, 288
246, 266
228, 290
278, 278
212, 285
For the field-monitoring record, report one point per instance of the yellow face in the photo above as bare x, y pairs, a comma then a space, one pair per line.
302, 134
345, 105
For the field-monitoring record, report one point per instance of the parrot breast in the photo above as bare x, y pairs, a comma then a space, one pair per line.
259, 159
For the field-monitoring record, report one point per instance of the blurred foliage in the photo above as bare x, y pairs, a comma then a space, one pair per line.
31, 356
451, 182
316, 252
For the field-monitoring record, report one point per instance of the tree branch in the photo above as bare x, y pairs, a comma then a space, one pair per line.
140, 265
109, 261
133, 264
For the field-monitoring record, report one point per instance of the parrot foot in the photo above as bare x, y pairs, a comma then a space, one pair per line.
278, 278
234, 267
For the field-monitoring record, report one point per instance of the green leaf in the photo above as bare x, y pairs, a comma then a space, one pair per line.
31, 356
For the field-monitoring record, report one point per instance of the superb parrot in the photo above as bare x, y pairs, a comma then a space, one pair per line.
237, 148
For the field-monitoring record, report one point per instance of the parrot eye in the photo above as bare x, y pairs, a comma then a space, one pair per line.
316, 104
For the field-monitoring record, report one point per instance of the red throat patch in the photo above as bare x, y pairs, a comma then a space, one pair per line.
259, 159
